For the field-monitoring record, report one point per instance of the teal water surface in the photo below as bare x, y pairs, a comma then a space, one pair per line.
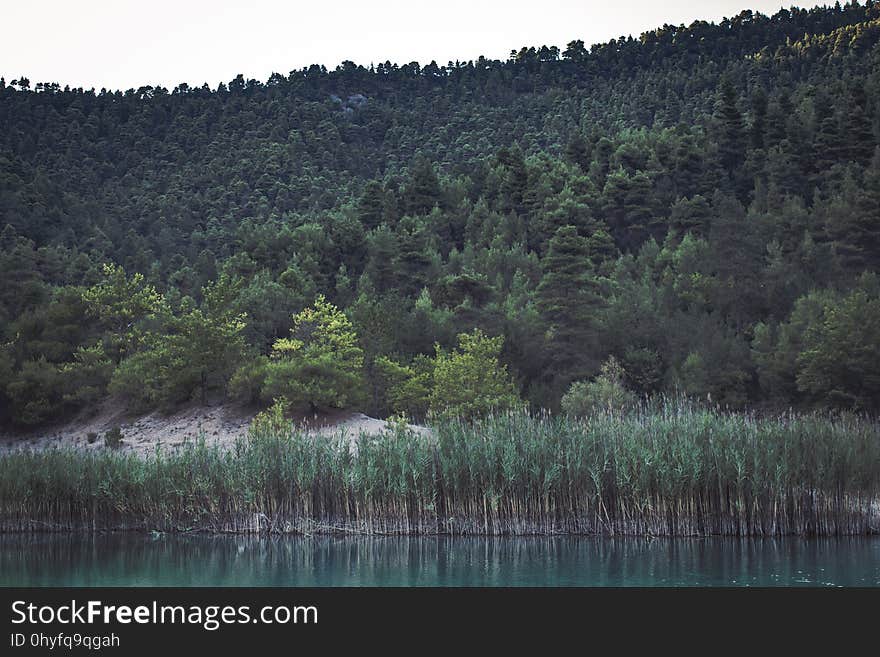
175, 560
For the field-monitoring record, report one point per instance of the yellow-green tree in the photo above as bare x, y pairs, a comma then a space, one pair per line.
470, 381
320, 364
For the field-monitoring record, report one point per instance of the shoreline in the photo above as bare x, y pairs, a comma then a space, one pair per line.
341, 533
864, 521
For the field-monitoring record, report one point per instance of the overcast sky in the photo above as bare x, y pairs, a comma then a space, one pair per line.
120, 44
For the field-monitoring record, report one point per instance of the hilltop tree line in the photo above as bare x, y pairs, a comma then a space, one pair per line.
693, 211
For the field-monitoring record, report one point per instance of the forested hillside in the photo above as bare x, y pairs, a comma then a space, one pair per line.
696, 211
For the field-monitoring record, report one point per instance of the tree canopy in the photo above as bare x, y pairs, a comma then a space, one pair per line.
700, 203
320, 364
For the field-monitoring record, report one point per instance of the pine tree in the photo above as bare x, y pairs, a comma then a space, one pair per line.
759, 118
853, 221
690, 167
859, 137
422, 192
471, 382
737, 249
412, 261
568, 208
690, 215
320, 364
826, 142
601, 164
577, 151
628, 208
568, 298
371, 206
731, 128
515, 182
778, 113
382, 248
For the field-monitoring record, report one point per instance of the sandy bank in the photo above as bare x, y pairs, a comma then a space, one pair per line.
143, 434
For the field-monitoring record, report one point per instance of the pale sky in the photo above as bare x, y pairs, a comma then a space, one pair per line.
121, 44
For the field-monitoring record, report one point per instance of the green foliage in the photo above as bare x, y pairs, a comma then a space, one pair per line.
407, 388
139, 381
840, 360
568, 297
423, 191
271, 423
267, 304
196, 352
120, 303
699, 202
606, 393
731, 142
717, 369
320, 364
87, 376
246, 383
35, 392
470, 381
643, 370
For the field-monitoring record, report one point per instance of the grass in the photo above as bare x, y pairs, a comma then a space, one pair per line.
671, 470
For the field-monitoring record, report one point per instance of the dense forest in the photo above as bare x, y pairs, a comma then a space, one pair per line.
695, 211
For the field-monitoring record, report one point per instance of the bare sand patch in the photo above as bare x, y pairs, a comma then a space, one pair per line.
144, 434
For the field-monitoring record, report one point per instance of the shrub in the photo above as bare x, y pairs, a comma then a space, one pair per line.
271, 423
606, 393
407, 388
113, 438
246, 383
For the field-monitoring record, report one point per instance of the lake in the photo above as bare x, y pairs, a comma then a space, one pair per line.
128, 559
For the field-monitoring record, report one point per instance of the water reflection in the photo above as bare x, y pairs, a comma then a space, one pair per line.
171, 560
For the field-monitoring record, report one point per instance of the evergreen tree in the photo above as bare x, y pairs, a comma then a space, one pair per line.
827, 142
737, 246
853, 221
382, 247
119, 303
731, 128
412, 262
569, 301
515, 181
577, 151
627, 208
422, 192
195, 352
758, 127
371, 206
778, 113
840, 362
691, 215
320, 364
859, 136
470, 382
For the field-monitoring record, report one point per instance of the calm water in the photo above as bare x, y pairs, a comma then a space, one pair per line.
167, 560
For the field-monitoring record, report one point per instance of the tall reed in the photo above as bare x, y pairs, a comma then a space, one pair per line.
672, 470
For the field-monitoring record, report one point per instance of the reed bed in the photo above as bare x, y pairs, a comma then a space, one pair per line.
668, 470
